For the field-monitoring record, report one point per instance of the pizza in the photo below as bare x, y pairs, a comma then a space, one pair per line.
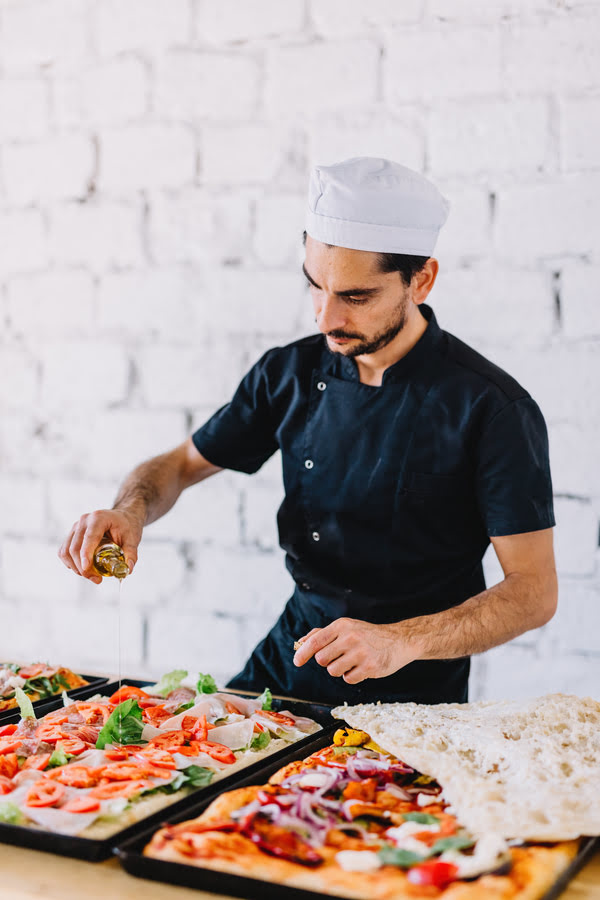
354, 821
39, 681
95, 766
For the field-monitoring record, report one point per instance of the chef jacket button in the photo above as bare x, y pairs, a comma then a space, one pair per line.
309, 463
316, 536
321, 386
305, 586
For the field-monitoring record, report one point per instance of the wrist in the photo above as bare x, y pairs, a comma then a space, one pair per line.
135, 511
410, 639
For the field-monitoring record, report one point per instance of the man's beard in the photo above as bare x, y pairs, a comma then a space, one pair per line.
380, 340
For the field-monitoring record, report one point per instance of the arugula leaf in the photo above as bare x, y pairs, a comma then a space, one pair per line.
183, 707
59, 681
261, 740
10, 814
455, 842
123, 726
198, 776
266, 699
421, 818
169, 682
25, 704
206, 684
393, 856
59, 758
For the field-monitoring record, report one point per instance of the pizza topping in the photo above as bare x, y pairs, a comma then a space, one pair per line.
490, 852
358, 860
433, 874
280, 842
44, 793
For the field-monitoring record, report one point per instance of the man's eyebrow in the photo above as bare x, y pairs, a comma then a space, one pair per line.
351, 292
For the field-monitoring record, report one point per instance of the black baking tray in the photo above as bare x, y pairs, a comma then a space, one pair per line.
95, 850
8, 715
130, 854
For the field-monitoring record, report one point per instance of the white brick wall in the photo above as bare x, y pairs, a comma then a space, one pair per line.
153, 166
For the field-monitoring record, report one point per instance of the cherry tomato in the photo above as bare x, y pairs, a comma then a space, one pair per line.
81, 805
126, 693
433, 873
8, 730
217, 751
44, 793
277, 717
40, 761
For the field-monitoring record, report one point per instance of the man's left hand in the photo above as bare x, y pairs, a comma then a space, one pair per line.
355, 650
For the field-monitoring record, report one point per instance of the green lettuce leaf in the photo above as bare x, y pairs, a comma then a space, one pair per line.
455, 842
25, 704
261, 740
198, 776
169, 682
10, 814
206, 684
394, 856
58, 758
421, 818
266, 699
123, 726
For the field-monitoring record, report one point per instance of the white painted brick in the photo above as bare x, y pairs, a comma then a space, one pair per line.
442, 62
555, 55
480, 136
83, 376
52, 170
543, 220
208, 512
494, 11
239, 581
96, 620
18, 379
580, 133
194, 641
158, 575
197, 226
576, 537
580, 304
341, 18
574, 458
333, 138
31, 569
260, 515
135, 24
177, 377
146, 156
221, 21
36, 442
48, 33
576, 625
254, 629
23, 109
24, 633
151, 303
518, 672
50, 302
331, 75
279, 223
69, 499
119, 440
195, 86
22, 505
274, 302
23, 243
485, 305
466, 234
97, 234
249, 154
115, 92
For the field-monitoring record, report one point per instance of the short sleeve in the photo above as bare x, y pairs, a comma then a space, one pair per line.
514, 486
240, 435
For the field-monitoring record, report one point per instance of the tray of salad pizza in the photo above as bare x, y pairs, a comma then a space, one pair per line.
41, 682
89, 771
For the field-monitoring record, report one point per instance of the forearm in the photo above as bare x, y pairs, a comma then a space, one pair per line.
496, 615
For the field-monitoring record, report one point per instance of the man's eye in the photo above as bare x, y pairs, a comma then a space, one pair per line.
357, 300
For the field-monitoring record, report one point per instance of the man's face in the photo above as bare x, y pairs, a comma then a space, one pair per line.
358, 308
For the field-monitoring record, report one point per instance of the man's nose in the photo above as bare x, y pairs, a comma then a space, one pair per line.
330, 313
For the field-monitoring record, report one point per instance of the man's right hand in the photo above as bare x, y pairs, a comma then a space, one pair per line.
77, 552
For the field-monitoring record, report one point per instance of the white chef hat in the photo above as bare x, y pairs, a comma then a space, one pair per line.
374, 204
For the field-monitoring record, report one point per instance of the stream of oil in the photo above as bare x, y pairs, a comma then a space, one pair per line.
119, 589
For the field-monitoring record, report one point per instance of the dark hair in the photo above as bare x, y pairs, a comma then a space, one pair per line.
406, 265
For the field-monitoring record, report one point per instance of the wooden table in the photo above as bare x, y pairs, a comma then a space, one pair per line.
31, 875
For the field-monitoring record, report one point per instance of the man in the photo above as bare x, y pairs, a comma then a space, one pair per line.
404, 453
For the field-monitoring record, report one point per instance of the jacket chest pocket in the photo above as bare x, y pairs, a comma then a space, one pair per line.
435, 515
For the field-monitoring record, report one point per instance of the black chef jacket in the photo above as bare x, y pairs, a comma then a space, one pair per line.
391, 494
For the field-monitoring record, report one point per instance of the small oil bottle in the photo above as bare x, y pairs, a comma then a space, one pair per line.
109, 559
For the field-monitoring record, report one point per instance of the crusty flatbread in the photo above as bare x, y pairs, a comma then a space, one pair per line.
71, 678
523, 769
533, 871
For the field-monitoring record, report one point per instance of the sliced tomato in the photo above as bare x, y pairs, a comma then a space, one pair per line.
231, 708
44, 793
76, 776
49, 733
126, 692
196, 725
433, 873
94, 713
191, 749
73, 746
116, 753
258, 728
9, 744
85, 804
32, 671
119, 789
160, 758
155, 714
6, 785
124, 771
168, 740
7, 730
40, 761
58, 717
217, 751
280, 718
9, 765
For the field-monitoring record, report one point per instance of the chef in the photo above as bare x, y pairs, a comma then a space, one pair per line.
404, 453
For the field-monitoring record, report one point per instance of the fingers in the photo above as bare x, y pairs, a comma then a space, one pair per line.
130, 551
313, 642
90, 534
63, 552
